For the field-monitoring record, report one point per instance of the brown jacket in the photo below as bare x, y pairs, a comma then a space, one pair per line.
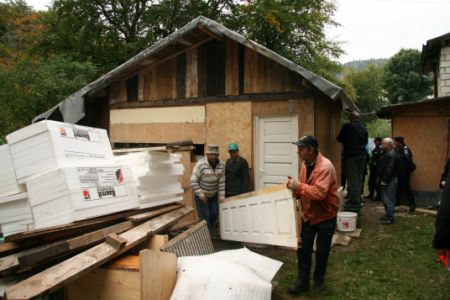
318, 193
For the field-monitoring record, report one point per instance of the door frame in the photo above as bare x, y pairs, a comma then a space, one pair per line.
256, 146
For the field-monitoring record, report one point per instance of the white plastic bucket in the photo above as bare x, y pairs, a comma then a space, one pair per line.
346, 221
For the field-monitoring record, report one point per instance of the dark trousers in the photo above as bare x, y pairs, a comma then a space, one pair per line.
208, 211
324, 232
354, 170
404, 190
373, 176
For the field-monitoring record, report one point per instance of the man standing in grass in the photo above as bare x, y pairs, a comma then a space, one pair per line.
387, 173
317, 189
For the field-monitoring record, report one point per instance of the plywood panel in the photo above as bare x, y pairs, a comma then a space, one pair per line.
118, 92
106, 284
262, 75
230, 123
232, 68
157, 133
185, 114
158, 274
192, 73
419, 134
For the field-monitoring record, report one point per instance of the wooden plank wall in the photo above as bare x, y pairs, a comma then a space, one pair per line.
262, 75
328, 115
192, 73
232, 68
160, 81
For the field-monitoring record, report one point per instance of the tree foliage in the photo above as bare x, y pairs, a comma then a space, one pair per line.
367, 84
402, 79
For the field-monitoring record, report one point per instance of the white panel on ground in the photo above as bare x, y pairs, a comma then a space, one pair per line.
263, 217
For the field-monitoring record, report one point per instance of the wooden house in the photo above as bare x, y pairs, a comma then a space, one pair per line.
426, 124
209, 84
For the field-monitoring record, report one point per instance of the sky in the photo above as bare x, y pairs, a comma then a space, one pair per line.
377, 28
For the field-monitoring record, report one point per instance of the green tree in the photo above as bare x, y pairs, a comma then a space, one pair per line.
31, 87
402, 79
368, 87
294, 29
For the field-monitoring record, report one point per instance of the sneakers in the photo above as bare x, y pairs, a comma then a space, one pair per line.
298, 287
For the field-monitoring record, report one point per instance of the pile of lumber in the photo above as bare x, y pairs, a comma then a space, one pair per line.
41, 261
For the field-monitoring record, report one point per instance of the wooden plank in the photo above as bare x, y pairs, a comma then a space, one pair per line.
115, 241
148, 215
181, 76
75, 267
42, 253
128, 262
158, 274
157, 241
71, 228
191, 74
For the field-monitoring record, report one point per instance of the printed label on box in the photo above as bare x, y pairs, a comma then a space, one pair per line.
101, 183
79, 133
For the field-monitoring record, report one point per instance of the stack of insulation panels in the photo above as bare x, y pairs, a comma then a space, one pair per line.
15, 212
69, 172
156, 176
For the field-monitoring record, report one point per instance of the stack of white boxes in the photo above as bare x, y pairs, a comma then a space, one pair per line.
156, 176
69, 172
15, 212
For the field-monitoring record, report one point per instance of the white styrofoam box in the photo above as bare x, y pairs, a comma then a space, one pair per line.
75, 193
152, 163
8, 180
16, 227
49, 145
14, 208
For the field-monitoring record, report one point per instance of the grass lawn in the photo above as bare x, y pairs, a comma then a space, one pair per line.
386, 262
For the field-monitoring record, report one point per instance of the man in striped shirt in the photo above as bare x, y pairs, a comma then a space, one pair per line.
208, 185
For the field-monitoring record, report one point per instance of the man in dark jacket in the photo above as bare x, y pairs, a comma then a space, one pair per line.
441, 239
353, 137
377, 151
387, 179
405, 167
236, 173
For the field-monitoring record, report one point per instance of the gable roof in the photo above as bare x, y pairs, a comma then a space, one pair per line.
72, 108
390, 111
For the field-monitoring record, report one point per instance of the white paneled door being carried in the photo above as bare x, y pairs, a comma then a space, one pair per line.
276, 156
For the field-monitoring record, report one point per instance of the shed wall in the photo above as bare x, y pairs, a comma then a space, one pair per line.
427, 137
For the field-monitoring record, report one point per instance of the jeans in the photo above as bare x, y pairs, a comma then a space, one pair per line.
324, 232
354, 169
388, 196
208, 211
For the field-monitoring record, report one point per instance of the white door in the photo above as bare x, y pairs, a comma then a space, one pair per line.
276, 156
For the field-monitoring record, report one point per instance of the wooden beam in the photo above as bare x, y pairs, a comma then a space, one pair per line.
116, 241
48, 251
215, 99
148, 215
57, 232
67, 271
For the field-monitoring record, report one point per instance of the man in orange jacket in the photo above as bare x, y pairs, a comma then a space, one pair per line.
317, 189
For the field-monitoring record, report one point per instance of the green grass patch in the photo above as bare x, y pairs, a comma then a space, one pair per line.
386, 262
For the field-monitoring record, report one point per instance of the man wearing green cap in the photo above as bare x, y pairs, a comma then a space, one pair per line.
236, 173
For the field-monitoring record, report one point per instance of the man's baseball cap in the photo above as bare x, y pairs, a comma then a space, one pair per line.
307, 140
233, 147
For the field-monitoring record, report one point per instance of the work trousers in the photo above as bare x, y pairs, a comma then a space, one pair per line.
354, 170
388, 195
208, 211
373, 177
324, 232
